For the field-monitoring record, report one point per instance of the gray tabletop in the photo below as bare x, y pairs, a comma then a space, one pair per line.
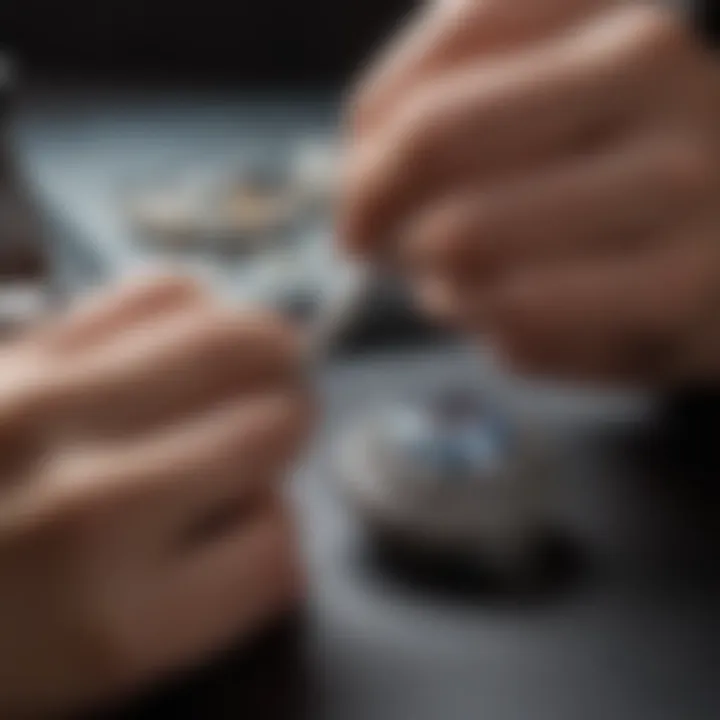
634, 637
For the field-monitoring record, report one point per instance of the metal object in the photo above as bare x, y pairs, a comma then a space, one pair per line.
337, 313
454, 476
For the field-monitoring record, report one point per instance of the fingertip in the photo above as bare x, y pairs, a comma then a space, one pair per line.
265, 434
437, 298
257, 340
349, 223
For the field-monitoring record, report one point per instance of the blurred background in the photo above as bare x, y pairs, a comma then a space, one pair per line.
205, 133
317, 42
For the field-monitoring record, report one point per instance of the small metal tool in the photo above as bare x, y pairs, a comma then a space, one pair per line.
338, 312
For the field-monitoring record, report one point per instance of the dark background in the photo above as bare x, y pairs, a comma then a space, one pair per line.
253, 41
256, 41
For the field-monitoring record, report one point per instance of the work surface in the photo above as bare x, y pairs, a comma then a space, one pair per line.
633, 637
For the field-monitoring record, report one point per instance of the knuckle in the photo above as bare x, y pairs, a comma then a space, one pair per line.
259, 333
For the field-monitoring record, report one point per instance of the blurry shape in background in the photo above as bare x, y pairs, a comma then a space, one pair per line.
25, 275
250, 209
274, 41
7, 77
261, 220
246, 212
316, 174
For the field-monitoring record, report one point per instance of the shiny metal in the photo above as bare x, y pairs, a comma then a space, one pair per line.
338, 312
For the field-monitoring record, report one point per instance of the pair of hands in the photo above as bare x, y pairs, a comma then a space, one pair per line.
545, 173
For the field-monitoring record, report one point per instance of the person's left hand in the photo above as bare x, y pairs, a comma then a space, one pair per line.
548, 175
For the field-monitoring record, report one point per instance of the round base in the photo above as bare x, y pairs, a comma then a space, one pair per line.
548, 565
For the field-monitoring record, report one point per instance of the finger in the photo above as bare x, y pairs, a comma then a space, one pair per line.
227, 592
622, 319
176, 488
449, 35
100, 318
476, 125
589, 207
442, 299
168, 370
195, 462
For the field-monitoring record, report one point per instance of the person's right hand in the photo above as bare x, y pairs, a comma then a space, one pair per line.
141, 522
546, 176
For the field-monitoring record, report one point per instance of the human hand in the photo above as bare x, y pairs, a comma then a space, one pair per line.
548, 175
142, 525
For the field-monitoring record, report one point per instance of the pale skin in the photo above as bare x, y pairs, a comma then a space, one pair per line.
547, 176
145, 437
